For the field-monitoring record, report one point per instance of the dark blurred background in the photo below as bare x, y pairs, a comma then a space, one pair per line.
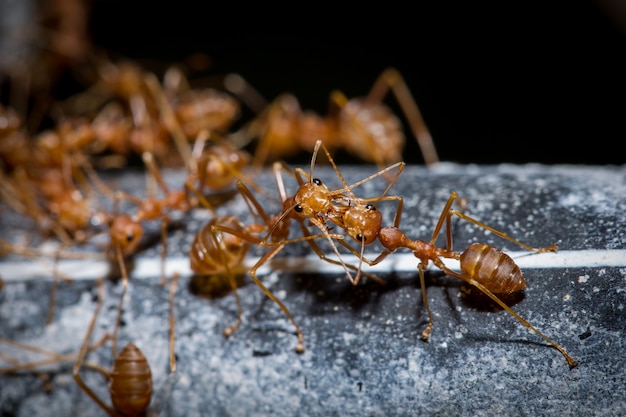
515, 83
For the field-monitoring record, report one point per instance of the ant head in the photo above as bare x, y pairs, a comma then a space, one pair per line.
362, 222
312, 198
125, 232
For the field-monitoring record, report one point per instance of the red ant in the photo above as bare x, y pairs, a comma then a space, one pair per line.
484, 267
214, 167
59, 201
130, 122
130, 378
198, 110
364, 127
127, 230
222, 244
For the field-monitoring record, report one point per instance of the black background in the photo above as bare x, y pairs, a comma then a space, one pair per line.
515, 83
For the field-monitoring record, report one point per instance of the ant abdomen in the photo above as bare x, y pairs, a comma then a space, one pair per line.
367, 126
131, 382
206, 258
493, 268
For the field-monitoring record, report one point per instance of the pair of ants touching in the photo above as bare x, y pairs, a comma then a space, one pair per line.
223, 243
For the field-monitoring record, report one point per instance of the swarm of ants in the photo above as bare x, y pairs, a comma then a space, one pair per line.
54, 178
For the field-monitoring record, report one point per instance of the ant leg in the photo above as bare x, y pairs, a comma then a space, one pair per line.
231, 278
323, 257
448, 211
429, 327
274, 250
382, 172
172, 294
249, 95
444, 217
266, 258
277, 167
551, 248
122, 266
164, 224
162, 396
53, 357
155, 173
571, 361
254, 207
392, 79
201, 199
169, 119
83, 351
56, 275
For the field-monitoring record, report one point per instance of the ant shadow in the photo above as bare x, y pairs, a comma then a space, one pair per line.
214, 286
473, 298
322, 294
455, 291
220, 197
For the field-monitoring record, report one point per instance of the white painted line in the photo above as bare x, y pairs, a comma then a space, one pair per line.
400, 262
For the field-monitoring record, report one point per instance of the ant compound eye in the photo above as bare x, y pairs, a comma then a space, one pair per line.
298, 208
130, 237
370, 207
317, 181
360, 237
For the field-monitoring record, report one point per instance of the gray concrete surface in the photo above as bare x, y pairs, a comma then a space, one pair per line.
363, 353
